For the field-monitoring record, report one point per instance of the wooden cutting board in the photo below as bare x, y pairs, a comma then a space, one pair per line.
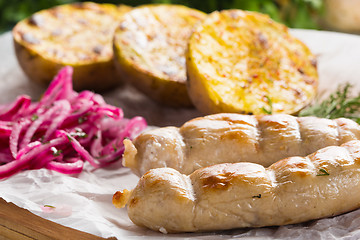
20, 224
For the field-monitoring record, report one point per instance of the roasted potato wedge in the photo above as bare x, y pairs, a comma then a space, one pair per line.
244, 62
79, 35
149, 47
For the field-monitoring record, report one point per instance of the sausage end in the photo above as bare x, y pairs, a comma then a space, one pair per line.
120, 198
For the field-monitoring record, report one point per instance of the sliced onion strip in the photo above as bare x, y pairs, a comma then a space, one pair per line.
63, 130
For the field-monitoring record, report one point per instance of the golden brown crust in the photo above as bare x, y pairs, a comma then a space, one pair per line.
149, 45
79, 35
221, 177
243, 62
121, 198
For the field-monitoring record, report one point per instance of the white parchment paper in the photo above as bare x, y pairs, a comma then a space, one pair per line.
84, 201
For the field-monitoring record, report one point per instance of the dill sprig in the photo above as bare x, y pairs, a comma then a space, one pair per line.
338, 104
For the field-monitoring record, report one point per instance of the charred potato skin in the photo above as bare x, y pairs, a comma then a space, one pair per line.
164, 90
98, 74
288, 90
168, 93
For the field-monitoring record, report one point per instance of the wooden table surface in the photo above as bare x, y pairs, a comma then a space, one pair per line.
20, 224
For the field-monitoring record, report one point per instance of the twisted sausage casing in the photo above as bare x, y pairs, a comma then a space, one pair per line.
229, 138
236, 195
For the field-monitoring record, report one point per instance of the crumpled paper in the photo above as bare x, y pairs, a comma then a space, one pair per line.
83, 201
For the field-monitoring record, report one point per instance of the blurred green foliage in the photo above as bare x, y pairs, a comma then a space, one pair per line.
293, 13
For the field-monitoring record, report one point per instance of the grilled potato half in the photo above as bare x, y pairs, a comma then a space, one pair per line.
79, 35
149, 47
244, 62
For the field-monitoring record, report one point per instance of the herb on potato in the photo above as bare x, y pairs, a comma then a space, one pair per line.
270, 109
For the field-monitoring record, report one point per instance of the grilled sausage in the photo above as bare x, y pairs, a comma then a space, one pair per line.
237, 195
229, 138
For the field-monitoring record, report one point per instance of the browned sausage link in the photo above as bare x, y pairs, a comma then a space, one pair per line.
229, 138
237, 195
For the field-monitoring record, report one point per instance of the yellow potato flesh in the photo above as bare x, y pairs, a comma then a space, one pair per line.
240, 61
150, 48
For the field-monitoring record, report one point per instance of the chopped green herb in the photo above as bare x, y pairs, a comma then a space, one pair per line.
49, 206
69, 138
34, 117
323, 172
55, 151
257, 196
270, 110
114, 147
82, 119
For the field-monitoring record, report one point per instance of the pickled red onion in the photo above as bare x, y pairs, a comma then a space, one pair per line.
63, 130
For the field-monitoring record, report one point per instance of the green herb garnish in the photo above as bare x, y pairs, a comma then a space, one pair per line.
338, 104
257, 196
82, 119
49, 206
34, 117
323, 172
55, 151
69, 138
270, 110
114, 147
